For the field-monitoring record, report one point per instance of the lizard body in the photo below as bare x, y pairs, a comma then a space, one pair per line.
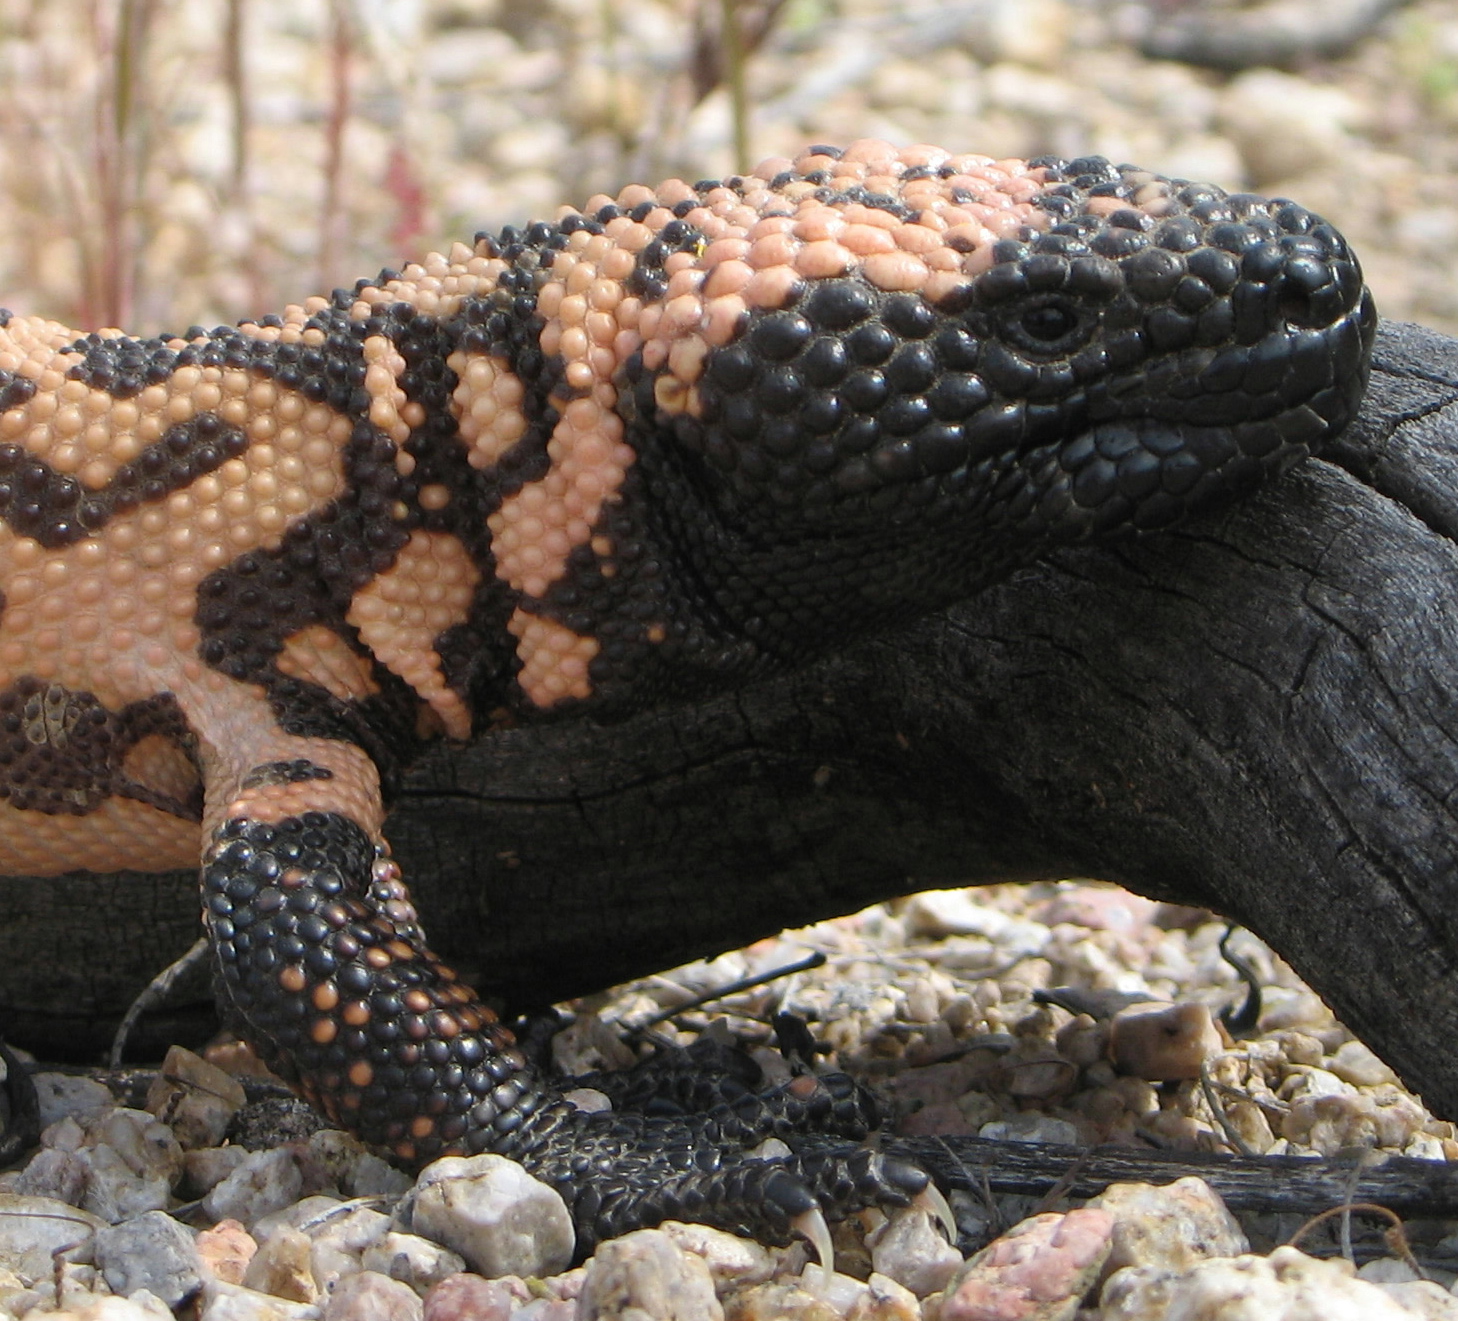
639, 453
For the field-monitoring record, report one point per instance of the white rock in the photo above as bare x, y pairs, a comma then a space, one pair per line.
63, 1096
646, 1274
147, 1145
1356, 1064
1329, 1123
1171, 1227
794, 1300
283, 1267
266, 1181
64, 1135
1387, 1270
32, 1228
104, 1307
114, 1191
825, 1295
137, 1306
412, 1260
955, 913
232, 1302
1286, 1286
204, 1170
885, 1300
339, 1233
152, 1252
491, 1211
732, 1261
1030, 1127
1027, 32
308, 1214
1305, 1081
342, 1238
1424, 1299
54, 1173
911, 1250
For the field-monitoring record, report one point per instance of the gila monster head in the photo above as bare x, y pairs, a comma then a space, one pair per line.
861, 384
1121, 350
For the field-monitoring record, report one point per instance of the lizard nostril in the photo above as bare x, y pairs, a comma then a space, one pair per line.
1308, 293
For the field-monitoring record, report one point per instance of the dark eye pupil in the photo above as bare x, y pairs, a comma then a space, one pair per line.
1049, 322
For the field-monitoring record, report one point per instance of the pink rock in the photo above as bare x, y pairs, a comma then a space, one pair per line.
370, 1296
1163, 1043
467, 1297
226, 1249
1037, 1271
1100, 909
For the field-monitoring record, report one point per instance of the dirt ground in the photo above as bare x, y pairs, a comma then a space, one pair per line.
172, 162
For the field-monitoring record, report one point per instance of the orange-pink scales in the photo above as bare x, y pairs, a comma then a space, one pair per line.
760, 243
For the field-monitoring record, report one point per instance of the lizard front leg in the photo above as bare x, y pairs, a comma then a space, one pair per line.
321, 964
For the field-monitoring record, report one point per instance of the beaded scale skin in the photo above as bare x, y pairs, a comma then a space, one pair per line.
632, 455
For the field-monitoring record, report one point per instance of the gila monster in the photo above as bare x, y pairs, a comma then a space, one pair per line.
635, 454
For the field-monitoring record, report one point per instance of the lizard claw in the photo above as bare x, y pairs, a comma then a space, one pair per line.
931, 1200
811, 1226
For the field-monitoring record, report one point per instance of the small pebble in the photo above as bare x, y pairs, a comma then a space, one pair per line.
153, 1252
412, 1260
646, 1274
52, 1173
474, 1298
197, 1098
914, 1252
370, 1296
1038, 1271
114, 1191
780, 1300
283, 1266
64, 1095
204, 1170
1172, 1226
1286, 1286
491, 1211
1163, 1043
1031, 1127
33, 1228
232, 1302
267, 1181
1358, 1065
225, 1251
732, 1261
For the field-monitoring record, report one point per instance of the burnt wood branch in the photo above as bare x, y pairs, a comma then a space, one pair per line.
1282, 1185
1255, 713
1281, 32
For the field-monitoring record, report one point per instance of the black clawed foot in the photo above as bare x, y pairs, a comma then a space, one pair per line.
683, 1170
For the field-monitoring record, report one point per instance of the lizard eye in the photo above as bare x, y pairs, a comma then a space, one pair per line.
1048, 326
1048, 322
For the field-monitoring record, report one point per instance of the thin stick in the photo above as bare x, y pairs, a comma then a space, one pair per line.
738, 96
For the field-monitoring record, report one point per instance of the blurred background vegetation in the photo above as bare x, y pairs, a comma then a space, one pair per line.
169, 162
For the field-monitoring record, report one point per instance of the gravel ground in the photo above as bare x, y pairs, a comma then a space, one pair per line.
167, 172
